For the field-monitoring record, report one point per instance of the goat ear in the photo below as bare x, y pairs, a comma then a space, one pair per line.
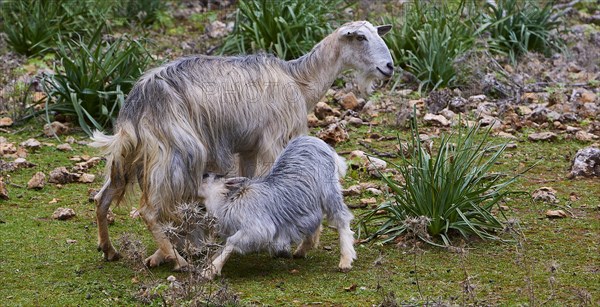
383, 30
235, 182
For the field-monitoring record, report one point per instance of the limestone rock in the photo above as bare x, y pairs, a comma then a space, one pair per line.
37, 182
586, 163
63, 214
542, 136
55, 128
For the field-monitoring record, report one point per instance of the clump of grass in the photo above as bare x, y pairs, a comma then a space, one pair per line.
287, 28
427, 40
453, 191
516, 27
94, 79
144, 12
33, 26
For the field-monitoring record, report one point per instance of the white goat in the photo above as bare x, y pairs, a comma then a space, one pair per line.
196, 113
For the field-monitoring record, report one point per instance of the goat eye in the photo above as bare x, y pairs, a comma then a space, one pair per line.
361, 38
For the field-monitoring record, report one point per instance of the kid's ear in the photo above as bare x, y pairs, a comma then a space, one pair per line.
383, 30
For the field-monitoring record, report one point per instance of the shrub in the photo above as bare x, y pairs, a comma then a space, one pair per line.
428, 38
145, 12
516, 27
33, 26
94, 79
287, 28
452, 193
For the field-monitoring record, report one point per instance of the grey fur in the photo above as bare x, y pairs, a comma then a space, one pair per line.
284, 207
201, 113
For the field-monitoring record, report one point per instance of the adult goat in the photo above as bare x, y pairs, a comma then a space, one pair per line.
195, 114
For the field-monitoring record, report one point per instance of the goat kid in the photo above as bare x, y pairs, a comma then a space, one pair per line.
287, 206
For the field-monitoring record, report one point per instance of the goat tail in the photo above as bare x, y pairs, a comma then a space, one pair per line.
119, 150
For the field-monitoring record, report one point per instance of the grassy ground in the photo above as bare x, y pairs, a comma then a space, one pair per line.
552, 261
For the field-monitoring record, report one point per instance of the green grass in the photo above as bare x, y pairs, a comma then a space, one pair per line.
38, 266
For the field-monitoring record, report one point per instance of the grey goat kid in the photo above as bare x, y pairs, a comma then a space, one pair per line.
287, 206
202, 113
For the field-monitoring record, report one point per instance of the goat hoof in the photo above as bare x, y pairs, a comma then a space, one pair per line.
155, 260
110, 253
345, 269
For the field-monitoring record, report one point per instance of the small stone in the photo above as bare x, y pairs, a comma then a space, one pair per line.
322, 110
55, 128
70, 140
355, 121
545, 194
333, 134
61, 175
506, 135
86, 178
71, 241
6, 122
217, 29
524, 110
448, 114
63, 214
477, 99
171, 278
586, 163
571, 129
22, 163
542, 136
530, 97
487, 121
352, 190
313, 121
368, 201
31, 144
37, 182
587, 96
64, 147
436, 120
374, 191
555, 214
458, 104
3, 190
585, 136
349, 102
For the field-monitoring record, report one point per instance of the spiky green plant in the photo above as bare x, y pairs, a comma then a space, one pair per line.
94, 79
287, 28
454, 189
517, 26
33, 26
428, 38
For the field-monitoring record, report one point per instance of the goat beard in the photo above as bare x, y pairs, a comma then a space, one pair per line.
365, 84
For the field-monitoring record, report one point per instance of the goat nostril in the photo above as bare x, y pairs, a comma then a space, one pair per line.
390, 65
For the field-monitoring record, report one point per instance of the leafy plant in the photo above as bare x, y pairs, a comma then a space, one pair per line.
428, 38
94, 79
453, 191
33, 26
287, 28
146, 12
516, 27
